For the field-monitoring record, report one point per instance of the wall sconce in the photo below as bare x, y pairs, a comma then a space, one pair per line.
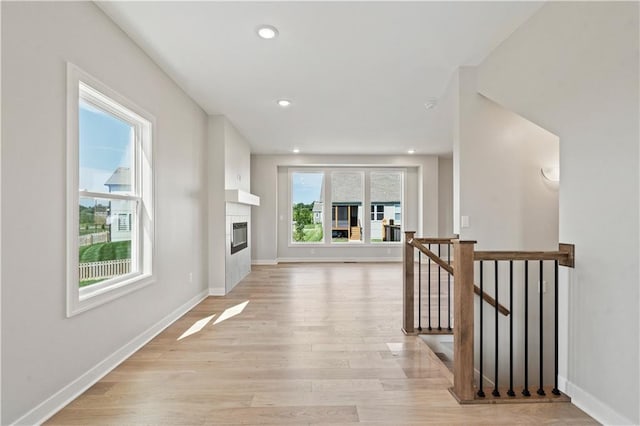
552, 174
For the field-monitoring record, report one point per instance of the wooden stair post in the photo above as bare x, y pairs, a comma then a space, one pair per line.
407, 284
463, 312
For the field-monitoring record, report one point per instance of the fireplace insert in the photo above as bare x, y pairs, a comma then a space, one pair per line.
238, 236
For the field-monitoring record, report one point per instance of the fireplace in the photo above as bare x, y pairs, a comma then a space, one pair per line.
238, 236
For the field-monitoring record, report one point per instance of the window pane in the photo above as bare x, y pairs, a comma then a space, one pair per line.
307, 207
386, 194
105, 151
104, 241
346, 202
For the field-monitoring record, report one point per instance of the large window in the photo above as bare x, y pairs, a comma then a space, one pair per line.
351, 205
307, 207
110, 214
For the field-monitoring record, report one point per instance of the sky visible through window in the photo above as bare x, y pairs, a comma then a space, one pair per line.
105, 145
307, 187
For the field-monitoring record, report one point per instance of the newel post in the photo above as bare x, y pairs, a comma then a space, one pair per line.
407, 284
463, 312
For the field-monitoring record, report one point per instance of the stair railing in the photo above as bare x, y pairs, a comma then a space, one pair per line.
443, 268
467, 269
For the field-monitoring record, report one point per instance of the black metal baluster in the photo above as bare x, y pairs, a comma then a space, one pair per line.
449, 288
480, 391
525, 391
540, 389
495, 392
429, 290
439, 297
510, 392
555, 390
419, 291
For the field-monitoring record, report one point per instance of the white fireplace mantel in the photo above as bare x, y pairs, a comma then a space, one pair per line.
241, 197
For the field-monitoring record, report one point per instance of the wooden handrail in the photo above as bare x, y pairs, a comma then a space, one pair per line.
519, 255
565, 255
436, 240
415, 242
490, 300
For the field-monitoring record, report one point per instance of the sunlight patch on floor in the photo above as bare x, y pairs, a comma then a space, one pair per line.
197, 326
231, 312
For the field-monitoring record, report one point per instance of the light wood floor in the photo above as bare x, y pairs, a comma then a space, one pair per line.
315, 344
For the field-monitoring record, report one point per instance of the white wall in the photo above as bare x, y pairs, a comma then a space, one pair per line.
216, 211
573, 68
445, 197
42, 350
237, 159
509, 204
269, 221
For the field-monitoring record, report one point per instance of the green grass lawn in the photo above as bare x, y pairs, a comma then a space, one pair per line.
313, 233
105, 251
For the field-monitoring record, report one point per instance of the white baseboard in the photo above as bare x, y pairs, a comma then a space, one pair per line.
218, 291
64, 396
264, 262
338, 259
592, 405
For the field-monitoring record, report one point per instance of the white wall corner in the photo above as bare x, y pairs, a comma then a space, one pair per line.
64, 396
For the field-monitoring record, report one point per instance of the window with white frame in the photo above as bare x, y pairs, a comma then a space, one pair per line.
110, 203
307, 207
348, 193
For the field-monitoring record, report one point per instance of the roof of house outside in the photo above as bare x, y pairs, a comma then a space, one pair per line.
386, 187
346, 187
318, 206
122, 176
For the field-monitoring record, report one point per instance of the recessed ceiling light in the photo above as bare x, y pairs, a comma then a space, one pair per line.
296, 150
284, 102
411, 151
267, 32
430, 103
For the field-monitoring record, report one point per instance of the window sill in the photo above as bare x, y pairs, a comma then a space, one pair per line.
346, 244
86, 298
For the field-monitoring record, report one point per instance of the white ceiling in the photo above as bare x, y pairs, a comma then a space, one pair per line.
358, 73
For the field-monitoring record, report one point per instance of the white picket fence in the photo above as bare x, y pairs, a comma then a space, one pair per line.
87, 240
105, 269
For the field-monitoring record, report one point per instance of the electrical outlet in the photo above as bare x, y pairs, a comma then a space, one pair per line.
190, 277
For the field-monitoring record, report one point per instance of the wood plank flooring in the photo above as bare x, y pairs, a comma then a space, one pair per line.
315, 344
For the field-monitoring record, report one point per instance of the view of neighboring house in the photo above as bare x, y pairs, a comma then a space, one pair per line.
386, 210
346, 206
317, 210
120, 217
